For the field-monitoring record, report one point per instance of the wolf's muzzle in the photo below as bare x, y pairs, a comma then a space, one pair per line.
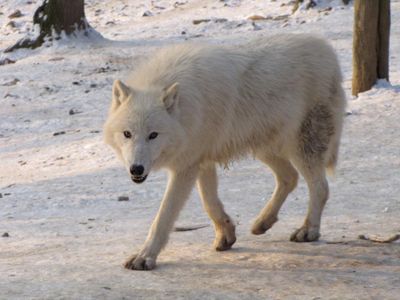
138, 179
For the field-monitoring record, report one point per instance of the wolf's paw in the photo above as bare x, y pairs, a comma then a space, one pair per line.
224, 243
260, 226
139, 262
305, 234
226, 237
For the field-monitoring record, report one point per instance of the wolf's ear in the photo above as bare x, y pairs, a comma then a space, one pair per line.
120, 93
170, 96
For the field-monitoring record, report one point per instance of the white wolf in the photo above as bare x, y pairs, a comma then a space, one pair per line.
191, 107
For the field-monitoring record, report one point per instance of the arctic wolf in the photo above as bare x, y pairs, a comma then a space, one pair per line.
190, 107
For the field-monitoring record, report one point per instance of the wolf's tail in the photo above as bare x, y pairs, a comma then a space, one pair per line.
332, 159
333, 149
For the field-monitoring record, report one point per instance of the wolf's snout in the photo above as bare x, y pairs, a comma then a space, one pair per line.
137, 170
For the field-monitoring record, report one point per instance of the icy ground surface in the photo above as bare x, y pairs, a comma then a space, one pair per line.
68, 234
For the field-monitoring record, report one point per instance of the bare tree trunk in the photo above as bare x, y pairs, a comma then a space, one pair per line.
370, 43
61, 15
383, 35
55, 16
365, 56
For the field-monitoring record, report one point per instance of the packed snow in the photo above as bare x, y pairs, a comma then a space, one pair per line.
65, 235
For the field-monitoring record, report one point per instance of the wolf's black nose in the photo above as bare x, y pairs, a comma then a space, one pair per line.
137, 170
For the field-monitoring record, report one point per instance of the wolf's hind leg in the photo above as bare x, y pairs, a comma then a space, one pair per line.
319, 192
207, 184
315, 136
286, 178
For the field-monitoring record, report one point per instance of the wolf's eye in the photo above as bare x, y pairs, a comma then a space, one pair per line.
127, 134
153, 135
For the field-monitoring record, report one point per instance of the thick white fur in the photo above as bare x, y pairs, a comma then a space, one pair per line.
278, 98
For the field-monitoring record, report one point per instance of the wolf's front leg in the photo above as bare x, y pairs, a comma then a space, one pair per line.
178, 189
207, 183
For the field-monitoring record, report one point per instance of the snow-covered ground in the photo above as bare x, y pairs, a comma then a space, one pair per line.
69, 234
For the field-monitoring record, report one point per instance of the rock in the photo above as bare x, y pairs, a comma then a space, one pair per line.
378, 239
15, 14
255, 26
104, 69
73, 112
329, 8
158, 7
198, 21
240, 24
311, 4
56, 58
179, 3
256, 18
147, 13
215, 20
12, 82
6, 61
123, 198
58, 133
220, 20
5, 234
12, 24
281, 18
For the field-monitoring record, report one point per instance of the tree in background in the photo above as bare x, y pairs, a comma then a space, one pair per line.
54, 17
370, 43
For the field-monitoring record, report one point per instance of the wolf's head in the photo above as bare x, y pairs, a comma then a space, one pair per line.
142, 127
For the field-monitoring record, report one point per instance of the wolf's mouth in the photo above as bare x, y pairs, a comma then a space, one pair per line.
138, 179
